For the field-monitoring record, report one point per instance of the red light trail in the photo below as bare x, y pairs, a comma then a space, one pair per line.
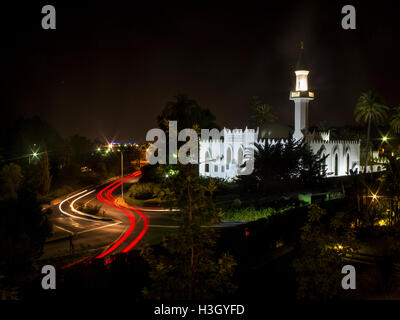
105, 196
127, 210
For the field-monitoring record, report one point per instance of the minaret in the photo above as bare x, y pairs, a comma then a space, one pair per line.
301, 96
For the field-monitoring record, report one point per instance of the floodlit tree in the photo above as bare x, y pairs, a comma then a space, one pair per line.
187, 266
370, 110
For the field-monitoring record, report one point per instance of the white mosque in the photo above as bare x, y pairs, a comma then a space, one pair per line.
221, 158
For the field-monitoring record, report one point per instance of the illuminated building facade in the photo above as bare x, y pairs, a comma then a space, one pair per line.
222, 157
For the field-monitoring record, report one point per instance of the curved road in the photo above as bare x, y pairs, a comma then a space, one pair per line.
121, 229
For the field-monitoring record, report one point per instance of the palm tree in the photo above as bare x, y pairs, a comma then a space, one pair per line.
261, 112
369, 109
395, 121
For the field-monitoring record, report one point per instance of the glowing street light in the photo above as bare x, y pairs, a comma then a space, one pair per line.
385, 139
34, 155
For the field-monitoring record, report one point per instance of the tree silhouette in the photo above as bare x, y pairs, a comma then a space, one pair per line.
320, 258
369, 109
186, 266
261, 113
10, 181
395, 120
187, 113
283, 163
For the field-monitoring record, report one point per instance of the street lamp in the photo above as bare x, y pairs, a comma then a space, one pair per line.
34, 155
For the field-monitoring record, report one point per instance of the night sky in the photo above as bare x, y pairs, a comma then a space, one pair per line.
109, 67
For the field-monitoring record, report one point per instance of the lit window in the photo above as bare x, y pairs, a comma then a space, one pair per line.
301, 80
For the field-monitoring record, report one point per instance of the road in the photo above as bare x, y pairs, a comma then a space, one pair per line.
121, 229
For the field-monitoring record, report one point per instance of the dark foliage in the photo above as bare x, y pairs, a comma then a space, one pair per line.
276, 166
24, 228
187, 112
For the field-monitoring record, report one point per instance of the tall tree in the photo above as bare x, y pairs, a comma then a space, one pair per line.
261, 113
323, 126
81, 148
10, 181
44, 172
323, 245
187, 265
187, 113
395, 120
370, 110
24, 227
391, 182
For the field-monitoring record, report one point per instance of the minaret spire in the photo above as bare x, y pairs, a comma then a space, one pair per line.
301, 96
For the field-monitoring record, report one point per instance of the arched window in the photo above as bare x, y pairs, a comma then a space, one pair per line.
348, 164
336, 165
228, 158
240, 156
207, 165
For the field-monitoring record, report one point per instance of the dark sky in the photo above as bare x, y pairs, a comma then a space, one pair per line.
109, 67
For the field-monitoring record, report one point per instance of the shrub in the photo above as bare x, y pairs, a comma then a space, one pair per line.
90, 209
246, 214
144, 191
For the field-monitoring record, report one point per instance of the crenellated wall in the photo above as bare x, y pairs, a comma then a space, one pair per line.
222, 157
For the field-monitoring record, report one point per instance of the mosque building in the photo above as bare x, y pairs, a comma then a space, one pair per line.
223, 157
